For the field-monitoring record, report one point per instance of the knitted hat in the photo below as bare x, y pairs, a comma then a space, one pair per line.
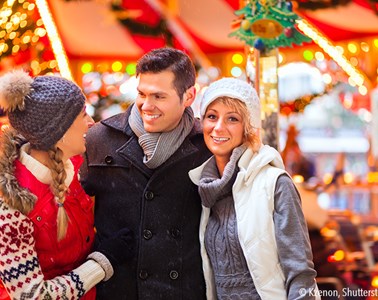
234, 88
41, 109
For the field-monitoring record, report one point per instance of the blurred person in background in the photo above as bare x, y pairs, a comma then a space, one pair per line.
46, 218
254, 238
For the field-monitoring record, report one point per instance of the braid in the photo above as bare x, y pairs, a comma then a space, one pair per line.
59, 189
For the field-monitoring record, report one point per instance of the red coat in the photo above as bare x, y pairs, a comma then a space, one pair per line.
59, 258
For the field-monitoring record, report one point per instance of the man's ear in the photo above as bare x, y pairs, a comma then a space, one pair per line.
189, 96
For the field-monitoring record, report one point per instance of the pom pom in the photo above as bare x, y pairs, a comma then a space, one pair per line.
14, 86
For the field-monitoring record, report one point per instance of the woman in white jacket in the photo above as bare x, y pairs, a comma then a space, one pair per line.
254, 238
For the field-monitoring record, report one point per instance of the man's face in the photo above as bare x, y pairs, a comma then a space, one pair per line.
158, 102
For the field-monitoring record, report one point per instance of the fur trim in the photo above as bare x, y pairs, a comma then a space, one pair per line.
12, 193
14, 87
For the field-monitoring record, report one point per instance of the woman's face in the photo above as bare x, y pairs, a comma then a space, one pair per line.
73, 141
223, 130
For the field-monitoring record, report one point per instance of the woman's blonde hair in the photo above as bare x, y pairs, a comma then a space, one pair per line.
251, 134
59, 188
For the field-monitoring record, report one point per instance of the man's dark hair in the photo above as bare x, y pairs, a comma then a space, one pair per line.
169, 59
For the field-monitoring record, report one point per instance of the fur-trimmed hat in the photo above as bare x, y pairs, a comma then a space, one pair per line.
41, 108
234, 88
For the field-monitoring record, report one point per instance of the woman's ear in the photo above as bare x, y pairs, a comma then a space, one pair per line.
189, 96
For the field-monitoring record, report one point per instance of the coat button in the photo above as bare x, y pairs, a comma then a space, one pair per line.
109, 159
87, 239
143, 274
175, 233
149, 195
39, 218
147, 234
173, 275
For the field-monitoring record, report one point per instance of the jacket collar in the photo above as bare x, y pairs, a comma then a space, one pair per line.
120, 122
131, 150
250, 163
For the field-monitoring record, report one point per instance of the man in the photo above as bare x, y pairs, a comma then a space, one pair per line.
137, 169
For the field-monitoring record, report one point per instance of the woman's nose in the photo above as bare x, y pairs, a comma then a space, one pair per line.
219, 125
90, 121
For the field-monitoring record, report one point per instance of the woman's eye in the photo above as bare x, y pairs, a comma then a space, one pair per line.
233, 119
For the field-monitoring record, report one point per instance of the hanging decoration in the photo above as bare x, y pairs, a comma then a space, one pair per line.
268, 24
127, 17
323, 4
141, 28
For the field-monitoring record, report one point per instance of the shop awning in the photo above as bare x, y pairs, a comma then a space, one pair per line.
91, 29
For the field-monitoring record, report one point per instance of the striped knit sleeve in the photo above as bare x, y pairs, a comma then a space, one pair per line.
20, 271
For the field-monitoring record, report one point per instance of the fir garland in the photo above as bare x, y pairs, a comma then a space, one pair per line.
140, 28
299, 104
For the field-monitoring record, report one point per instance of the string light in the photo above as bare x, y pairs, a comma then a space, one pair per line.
12, 39
56, 42
355, 75
20, 31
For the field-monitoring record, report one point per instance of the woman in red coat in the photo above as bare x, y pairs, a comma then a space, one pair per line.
46, 218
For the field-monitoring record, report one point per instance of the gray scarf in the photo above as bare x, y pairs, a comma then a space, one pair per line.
212, 187
159, 146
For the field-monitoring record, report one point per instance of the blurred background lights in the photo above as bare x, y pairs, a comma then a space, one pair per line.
362, 90
237, 58
348, 100
116, 66
365, 115
236, 72
354, 61
319, 55
86, 67
119, 76
327, 78
365, 47
129, 89
351, 81
352, 48
213, 73
197, 87
280, 58
348, 177
131, 68
102, 67
308, 55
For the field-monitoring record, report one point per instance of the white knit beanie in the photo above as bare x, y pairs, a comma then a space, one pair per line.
234, 88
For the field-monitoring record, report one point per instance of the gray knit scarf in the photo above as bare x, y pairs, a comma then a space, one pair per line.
159, 146
212, 188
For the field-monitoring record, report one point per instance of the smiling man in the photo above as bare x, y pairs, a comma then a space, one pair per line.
137, 167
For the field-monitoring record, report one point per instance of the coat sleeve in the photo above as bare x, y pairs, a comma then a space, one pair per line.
20, 271
293, 243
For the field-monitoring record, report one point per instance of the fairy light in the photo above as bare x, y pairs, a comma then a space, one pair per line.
356, 76
13, 40
56, 42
